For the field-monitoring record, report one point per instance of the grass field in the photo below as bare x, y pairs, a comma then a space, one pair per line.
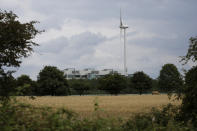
118, 106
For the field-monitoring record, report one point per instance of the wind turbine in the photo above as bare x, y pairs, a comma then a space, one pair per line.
123, 27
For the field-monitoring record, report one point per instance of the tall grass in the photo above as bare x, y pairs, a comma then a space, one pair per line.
112, 106
25, 117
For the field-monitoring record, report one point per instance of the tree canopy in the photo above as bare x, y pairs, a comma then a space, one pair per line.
23, 79
15, 39
24, 85
141, 82
170, 79
112, 83
15, 44
51, 81
189, 104
192, 51
80, 86
189, 101
7, 87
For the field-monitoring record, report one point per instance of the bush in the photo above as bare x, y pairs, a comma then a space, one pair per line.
23, 117
166, 119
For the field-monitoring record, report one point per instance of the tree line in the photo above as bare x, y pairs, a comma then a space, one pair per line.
51, 81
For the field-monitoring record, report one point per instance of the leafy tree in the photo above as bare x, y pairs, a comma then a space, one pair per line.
192, 51
24, 85
15, 43
94, 84
170, 79
189, 102
155, 84
141, 82
129, 87
34, 88
7, 87
15, 39
23, 79
112, 83
51, 81
80, 86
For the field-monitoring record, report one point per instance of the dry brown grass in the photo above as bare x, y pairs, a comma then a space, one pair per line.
117, 106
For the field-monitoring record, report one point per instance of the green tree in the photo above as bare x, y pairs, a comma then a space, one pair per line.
24, 85
7, 87
23, 79
15, 44
141, 82
189, 102
112, 83
51, 81
80, 86
155, 84
170, 79
15, 39
192, 51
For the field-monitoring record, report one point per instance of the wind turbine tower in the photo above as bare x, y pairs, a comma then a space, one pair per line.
123, 27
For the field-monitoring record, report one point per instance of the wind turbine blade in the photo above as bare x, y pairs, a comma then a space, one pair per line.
120, 34
120, 18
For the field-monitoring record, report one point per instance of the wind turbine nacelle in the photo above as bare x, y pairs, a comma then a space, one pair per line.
124, 26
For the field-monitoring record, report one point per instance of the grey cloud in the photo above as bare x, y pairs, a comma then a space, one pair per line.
173, 46
94, 10
80, 43
86, 39
53, 46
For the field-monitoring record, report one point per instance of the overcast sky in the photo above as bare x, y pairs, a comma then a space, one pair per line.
85, 33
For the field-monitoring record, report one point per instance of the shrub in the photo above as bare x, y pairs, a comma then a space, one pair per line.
159, 120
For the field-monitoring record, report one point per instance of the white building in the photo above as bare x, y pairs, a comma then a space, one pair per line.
89, 73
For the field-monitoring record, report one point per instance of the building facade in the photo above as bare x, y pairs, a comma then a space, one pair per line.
89, 73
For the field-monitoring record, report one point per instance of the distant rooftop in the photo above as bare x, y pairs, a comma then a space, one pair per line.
87, 73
